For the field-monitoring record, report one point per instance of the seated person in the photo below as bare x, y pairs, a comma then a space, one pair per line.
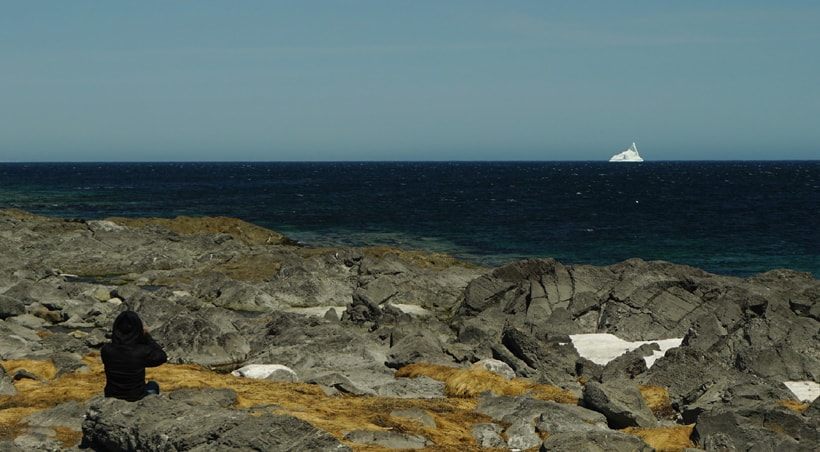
131, 350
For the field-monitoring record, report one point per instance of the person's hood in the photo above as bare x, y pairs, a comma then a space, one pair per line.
127, 328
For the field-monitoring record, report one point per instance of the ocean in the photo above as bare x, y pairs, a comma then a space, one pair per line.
734, 218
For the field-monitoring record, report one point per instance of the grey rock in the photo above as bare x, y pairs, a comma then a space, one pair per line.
6, 383
704, 333
814, 409
23, 374
521, 435
503, 354
777, 362
11, 306
561, 418
222, 398
159, 423
554, 361
412, 388
687, 373
623, 406
527, 292
68, 363
69, 415
589, 370
722, 428
495, 366
17, 342
523, 346
33, 439
510, 408
312, 346
595, 441
629, 365
488, 435
420, 347
416, 414
560, 324
193, 338
527, 417
29, 321
215, 300
362, 310
389, 439
741, 393
338, 382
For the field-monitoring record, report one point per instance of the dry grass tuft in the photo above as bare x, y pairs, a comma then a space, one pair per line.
665, 439
45, 370
658, 400
795, 405
468, 383
68, 437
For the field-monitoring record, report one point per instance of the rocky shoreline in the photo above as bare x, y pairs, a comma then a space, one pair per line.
437, 354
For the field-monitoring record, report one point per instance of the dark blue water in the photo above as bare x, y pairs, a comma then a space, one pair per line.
734, 218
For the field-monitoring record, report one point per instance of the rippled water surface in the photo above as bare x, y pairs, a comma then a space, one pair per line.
736, 218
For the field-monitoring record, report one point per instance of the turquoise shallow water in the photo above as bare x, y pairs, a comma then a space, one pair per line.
734, 218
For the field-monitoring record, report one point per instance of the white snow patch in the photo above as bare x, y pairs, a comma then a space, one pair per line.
260, 371
804, 390
414, 310
317, 311
602, 348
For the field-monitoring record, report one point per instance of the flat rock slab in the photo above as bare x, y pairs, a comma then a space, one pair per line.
159, 423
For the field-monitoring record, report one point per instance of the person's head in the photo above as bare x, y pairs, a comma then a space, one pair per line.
127, 328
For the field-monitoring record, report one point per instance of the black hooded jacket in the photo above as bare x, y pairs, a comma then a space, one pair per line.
131, 350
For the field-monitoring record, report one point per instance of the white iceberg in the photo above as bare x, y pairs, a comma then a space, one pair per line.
629, 155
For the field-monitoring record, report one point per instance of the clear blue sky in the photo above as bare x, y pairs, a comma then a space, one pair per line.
408, 80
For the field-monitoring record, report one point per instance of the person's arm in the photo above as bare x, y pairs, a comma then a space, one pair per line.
156, 355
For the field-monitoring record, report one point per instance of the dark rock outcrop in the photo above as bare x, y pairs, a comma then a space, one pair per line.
161, 423
595, 441
622, 405
222, 294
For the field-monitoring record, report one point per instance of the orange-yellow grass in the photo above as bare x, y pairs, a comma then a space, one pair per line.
665, 439
468, 383
36, 395
658, 400
795, 405
656, 397
454, 417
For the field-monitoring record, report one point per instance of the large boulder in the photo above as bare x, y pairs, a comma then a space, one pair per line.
314, 346
623, 406
6, 385
223, 295
195, 338
388, 439
764, 428
595, 441
377, 277
162, 423
423, 346
639, 300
